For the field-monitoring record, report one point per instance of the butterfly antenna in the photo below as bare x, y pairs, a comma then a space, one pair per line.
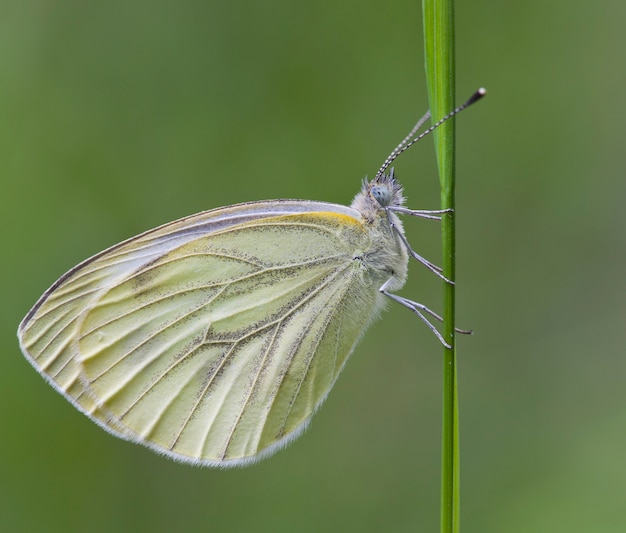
410, 140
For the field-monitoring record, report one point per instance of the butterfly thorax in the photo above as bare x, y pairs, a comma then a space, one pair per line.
387, 257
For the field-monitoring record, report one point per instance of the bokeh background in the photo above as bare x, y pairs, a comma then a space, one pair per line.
119, 116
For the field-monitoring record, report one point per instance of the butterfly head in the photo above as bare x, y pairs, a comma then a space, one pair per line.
376, 195
385, 190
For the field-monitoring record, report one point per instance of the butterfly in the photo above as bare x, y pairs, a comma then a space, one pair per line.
215, 338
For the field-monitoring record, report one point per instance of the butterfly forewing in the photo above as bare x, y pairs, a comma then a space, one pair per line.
212, 339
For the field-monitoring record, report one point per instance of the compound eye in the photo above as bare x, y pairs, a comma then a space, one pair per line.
381, 194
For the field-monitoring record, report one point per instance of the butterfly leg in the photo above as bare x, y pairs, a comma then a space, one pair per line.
420, 310
430, 266
422, 213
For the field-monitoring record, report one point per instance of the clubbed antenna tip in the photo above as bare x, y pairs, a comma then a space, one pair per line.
475, 97
410, 139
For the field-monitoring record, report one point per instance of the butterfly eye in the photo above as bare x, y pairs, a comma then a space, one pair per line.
381, 194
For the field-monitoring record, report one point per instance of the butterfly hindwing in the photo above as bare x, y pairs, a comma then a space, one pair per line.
212, 339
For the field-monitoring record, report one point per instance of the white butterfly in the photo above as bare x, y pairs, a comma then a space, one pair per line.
215, 338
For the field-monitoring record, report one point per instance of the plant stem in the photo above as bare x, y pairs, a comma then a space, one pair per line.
439, 50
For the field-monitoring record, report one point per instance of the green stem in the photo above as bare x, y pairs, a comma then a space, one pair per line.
439, 50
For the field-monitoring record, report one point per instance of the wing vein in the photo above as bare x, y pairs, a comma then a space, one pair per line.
241, 339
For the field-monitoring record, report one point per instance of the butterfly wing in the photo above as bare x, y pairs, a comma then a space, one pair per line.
212, 339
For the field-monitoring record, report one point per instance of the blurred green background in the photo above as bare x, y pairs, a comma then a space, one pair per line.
119, 116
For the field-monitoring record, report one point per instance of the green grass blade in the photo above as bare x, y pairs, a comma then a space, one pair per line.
439, 50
